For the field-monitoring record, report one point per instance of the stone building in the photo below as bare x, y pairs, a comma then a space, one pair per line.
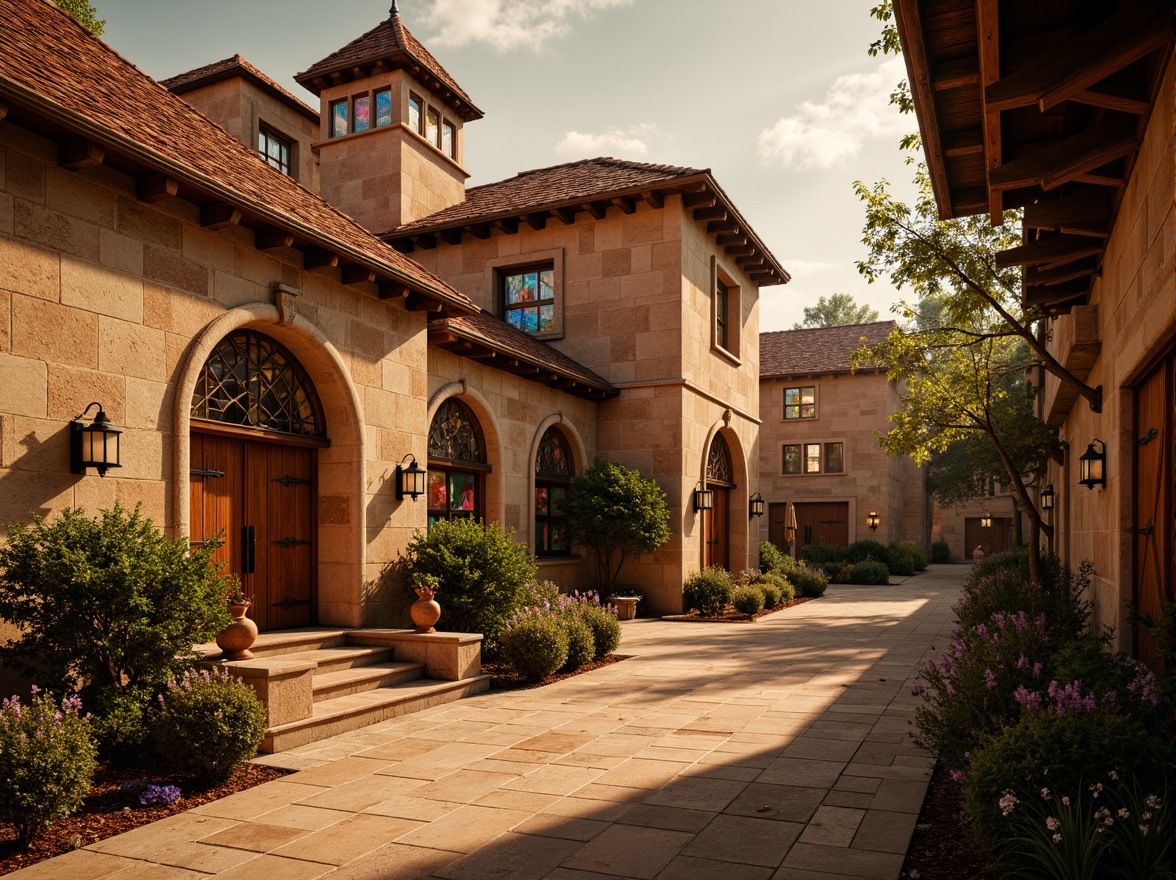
1067, 111
819, 446
280, 307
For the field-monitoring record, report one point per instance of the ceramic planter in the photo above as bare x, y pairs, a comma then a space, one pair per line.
238, 637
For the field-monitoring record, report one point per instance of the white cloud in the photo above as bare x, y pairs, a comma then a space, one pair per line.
856, 109
619, 142
508, 24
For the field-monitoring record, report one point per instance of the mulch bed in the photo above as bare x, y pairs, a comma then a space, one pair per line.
940, 849
502, 680
733, 616
108, 811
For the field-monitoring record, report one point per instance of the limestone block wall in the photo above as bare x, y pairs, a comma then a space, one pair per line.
241, 108
1136, 296
514, 414
948, 523
105, 298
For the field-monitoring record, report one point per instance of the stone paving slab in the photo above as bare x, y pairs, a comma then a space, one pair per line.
776, 750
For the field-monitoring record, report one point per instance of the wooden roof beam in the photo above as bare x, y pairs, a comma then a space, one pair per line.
478, 230
625, 204
450, 236
960, 73
425, 242
358, 275
963, 143
716, 213
77, 153
219, 215
1057, 293
597, 209
1081, 206
414, 302
404, 245
391, 290
3, 109
509, 225
1071, 68
746, 250
722, 226
1051, 166
705, 199
270, 238
988, 38
1068, 272
319, 258
154, 188
732, 238
1111, 97
1049, 250
655, 198
566, 216
538, 220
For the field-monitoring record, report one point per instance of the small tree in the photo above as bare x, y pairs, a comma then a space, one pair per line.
618, 514
838, 309
109, 604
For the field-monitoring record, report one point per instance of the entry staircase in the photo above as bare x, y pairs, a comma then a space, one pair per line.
319, 682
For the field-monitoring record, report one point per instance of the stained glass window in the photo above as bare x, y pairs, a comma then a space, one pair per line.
363, 113
529, 299
455, 439
553, 473
416, 109
800, 403
718, 462
383, 108
253, 381
340, 121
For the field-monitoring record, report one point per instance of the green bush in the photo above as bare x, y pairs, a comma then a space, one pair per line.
47, 761
541, 593
808, 583
1005, 588
818, 553
875, 573
771, 593
606, 629
535, 646
581, 643
940, 552
708, 591
120, 725
748, 600
866, 550
1062, 752
208, 723
917, 555
484, 576
781, 583
899, 561
771, 557
835, 572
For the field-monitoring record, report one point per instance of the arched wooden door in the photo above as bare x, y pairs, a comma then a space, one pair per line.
716, 522
256, 426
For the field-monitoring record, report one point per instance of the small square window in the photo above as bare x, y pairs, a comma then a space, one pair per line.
340, 118
416, 113
383, 108
800, 403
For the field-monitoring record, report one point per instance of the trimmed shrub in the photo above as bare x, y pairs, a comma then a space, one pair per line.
808, 583
47, 762
771, 557
771, 593
899, 561
535, 646
1006, 589
581, 643
708, 591
866, 550
875, 573
917, 554
748, 600
818, 553
940, 552
836, 572
541, 593
208, 723
606, 630
120, 725
781, 583
484, 575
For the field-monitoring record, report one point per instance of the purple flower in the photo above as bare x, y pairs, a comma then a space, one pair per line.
1022, 662
159, 795
958, 776
989, 679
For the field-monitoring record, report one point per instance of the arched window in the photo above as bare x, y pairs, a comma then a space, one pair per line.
252, 381
718, 463
457, 463
553, 472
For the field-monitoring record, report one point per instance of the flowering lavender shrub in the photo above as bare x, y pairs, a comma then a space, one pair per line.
590, 628
159, 795
208, 723
47, 761
534, 645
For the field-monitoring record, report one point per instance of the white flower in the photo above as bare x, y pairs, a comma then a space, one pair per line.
1152, 801
1045, 794
1057, 838
1123, 813
1065, 801
1143, 830
1114, 776
1052, 824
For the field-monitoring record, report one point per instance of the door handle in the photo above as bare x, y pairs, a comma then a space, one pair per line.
248, 550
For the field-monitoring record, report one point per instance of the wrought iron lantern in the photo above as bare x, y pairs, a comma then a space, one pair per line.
95, 445
756, 504
410, 481
986, 520
704, 499
873, 520
1092, 466
1047, 497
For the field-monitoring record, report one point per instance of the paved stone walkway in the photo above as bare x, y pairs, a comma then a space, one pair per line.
737, 752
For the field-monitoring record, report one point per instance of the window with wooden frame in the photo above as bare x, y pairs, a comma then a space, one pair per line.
416, 113
449, 139
433, 128
553, 474
726, 311
813, 458
528, 298
800, 402
361, 112
274, 149
457, 463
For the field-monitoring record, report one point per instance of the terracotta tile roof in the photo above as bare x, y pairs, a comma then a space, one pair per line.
391, 42
238, 65
53, 70
531, 190
818, 350
487, 330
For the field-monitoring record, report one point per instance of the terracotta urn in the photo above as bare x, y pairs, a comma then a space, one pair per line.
238, 637
425, 611
626, 606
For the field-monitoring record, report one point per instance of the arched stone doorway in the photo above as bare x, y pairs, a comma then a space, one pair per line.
716, 522
257, 425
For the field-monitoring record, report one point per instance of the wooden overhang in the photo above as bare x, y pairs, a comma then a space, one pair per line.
489, 341
1038, 105
701, 197
84, 143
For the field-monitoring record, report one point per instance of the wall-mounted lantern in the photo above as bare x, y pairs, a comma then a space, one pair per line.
95, 445
873, 520
756, 504
1047, 497
986, 520
1092, 466
410, 481
704, 499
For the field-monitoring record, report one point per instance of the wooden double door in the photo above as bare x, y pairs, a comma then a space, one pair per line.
822, 522
259, 497
716, 529
992, 540
1155, 485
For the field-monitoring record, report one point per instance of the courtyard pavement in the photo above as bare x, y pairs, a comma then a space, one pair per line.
777, 750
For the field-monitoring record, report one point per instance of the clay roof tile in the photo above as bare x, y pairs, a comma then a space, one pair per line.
237, 65
817, 350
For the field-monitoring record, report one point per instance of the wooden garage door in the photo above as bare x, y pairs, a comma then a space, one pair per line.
1153, 490
826, 522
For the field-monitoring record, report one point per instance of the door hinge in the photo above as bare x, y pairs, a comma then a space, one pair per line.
1152, 434
290, 603
248, 550
291, 542
1147, 530
203, 473
289, 481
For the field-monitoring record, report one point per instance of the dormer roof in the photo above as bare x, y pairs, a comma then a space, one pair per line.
388, 46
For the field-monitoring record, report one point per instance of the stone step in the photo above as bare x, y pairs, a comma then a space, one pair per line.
338, 658
288, 641
343, 714
328, 685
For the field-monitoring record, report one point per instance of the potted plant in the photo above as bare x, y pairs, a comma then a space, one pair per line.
238, 637
626, 603
425, 611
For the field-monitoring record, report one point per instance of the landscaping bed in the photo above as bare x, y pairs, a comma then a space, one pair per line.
501, 679
107, 811
940, 848
730, 615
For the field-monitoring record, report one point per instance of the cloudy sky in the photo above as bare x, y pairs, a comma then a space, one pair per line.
777, 97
